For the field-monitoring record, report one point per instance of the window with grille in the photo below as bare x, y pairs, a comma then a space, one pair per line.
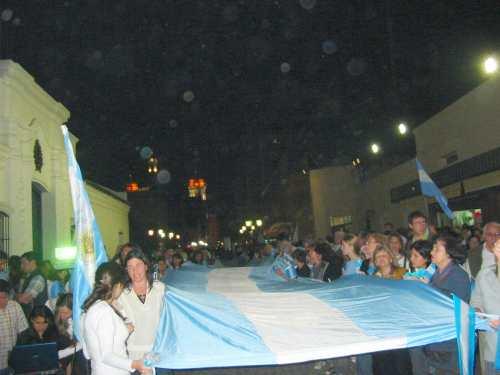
4, 232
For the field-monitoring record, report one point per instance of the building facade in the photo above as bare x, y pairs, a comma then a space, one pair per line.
459, 147
35, 203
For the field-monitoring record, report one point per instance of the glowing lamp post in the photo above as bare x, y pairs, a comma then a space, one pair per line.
402, 128
375, 148
490, 65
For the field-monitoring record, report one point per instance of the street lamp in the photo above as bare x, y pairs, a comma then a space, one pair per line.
375, 148
248, 223
402, 128
177, 236
490, 65
170, 235
258, 222
151, 232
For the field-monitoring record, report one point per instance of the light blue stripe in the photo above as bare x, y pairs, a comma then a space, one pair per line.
400, 308
199, 324
203, 329
458, 326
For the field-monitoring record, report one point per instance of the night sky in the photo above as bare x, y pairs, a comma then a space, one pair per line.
227, 90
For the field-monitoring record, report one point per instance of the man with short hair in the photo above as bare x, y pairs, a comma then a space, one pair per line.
483, 257
34, 288
12, 322
417, 222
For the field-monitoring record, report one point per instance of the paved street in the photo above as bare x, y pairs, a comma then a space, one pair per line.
340, 366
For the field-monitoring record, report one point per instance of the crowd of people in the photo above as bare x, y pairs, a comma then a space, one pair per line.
122, 313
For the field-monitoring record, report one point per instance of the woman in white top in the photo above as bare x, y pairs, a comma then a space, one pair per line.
486, 298
104, 330
141, 303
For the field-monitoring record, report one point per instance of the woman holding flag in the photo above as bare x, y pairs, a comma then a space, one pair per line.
105, 332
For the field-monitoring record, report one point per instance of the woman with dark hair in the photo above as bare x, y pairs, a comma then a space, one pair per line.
421, 266
122, 252
64, 324
42, 329
447, 254
396, 245
177, 261
105, 332
300, 258
449, 277
326, 265
141, 302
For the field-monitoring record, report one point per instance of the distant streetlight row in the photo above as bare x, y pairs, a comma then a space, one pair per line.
162, 234
490, 66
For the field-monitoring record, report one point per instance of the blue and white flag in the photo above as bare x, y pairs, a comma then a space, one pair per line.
430, 189
465, 323
90, 248
248, 316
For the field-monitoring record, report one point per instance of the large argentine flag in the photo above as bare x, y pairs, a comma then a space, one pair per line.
248, 316
430, 189
90, 248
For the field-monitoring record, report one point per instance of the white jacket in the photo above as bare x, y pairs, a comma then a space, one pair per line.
104, 340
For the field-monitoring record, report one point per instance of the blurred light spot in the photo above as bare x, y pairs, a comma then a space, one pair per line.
188, 96
356, 67
307, 4
285, 67
329, 47
7, 14
173, 123
16, 21
146, 152
163, 177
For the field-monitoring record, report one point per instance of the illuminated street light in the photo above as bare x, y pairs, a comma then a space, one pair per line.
490, 65
151, 232
375, 148
258, 222
253, 227
170, 235
402, 128
248, 223
194, 244
243, 228
161, 231
177, 236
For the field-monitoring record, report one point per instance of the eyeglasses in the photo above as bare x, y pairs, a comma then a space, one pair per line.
492, 234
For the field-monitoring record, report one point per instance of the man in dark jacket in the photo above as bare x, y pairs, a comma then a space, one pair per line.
34, 287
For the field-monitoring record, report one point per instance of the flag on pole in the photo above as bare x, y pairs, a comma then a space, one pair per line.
90, 248
430, 189
465, 323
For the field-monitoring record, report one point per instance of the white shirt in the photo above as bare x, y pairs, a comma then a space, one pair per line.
104, 340
488, 259
144, 316
486, 296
